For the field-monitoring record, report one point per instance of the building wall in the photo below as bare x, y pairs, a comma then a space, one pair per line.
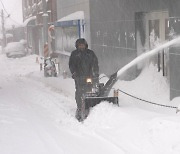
174, 71
174, 53
52, 7
35, 8
113, 31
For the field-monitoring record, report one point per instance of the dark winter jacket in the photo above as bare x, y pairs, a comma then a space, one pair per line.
83, 63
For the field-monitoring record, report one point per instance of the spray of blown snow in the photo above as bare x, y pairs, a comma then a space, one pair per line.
147, 55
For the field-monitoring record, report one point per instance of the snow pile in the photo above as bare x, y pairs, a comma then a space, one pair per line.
176, 102
149, 85
142, 131
15, 47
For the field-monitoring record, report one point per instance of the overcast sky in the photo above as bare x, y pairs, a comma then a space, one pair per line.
14, 8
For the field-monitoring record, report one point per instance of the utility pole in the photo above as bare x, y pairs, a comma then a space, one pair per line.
3, 31
45, 24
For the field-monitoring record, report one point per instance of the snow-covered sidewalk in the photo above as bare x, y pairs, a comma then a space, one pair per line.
37, 115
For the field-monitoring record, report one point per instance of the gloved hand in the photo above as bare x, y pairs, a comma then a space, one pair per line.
74, 75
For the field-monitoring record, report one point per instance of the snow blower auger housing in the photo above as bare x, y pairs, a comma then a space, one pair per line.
95, 93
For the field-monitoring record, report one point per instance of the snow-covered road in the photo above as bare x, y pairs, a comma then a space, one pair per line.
37, 117
31, 114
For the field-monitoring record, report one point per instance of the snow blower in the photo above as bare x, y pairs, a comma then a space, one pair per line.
95, 93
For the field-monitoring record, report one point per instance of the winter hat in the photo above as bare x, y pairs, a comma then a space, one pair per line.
81, 41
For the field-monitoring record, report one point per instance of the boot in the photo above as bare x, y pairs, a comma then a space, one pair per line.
78, 115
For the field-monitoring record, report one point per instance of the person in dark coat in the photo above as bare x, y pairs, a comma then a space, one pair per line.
83, 63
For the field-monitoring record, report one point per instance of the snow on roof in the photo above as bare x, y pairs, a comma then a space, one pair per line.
28, 20
74, 16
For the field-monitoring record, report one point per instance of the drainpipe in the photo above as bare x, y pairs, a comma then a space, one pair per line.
45, 24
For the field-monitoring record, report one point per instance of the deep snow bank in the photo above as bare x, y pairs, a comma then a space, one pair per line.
149, 85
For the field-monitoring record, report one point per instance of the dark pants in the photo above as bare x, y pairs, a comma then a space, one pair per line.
81, 88
79, 84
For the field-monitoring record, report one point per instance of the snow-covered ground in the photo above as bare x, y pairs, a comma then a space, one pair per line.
37, 115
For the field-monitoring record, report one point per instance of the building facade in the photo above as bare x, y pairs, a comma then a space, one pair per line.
120, 30
33, 21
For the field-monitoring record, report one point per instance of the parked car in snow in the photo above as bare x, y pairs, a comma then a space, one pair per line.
16, 49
